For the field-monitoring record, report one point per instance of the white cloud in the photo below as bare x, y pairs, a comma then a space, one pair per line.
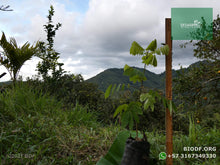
101, 37
112, 25
194, 3
36, 31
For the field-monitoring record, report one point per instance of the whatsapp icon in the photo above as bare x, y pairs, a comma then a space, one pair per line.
162, 156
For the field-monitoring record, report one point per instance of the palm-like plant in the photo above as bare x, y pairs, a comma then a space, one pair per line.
14, 57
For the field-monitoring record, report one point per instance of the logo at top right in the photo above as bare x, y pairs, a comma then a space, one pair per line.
192, 23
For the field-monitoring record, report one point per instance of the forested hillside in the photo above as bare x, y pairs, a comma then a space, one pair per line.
115, 76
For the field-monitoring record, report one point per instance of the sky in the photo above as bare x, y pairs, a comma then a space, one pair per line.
97, 34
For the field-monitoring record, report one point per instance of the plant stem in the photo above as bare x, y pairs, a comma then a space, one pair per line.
136, 131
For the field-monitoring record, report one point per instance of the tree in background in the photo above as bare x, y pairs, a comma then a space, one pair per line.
198, 87
210, 49
13, 57
48, 54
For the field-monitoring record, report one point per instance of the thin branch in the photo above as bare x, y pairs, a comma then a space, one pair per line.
203, 84
213, 79
5, 8
2, 75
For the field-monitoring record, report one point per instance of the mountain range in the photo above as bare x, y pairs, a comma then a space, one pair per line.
115, 76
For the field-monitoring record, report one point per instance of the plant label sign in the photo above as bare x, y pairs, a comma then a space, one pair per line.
191, 23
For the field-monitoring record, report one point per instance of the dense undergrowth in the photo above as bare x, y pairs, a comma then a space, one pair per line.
36, 128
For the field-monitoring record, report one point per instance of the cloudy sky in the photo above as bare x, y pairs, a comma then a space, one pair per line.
97, 34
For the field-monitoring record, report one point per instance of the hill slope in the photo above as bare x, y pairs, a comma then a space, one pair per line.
115, 76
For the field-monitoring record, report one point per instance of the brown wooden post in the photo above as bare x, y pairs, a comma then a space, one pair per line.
169, 126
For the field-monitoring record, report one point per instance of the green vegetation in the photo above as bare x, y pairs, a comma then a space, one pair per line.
156, 139
49, 67
198, 89
129, 113
36, 125
14, 56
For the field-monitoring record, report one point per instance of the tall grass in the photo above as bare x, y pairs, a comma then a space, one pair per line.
35, 129
79, 115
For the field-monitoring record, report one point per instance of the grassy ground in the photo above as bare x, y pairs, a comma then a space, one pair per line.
36, 129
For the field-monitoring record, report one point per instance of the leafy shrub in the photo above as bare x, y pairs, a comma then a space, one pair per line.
197, 90
72, 89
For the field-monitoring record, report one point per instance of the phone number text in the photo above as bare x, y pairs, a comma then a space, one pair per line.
192, 156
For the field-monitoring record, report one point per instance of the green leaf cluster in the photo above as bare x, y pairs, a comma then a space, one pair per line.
149, 54
129, 113
14, 56
152, 46
150, 59
149, 99
136, 49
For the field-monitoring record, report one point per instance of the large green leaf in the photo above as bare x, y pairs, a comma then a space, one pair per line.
126, 119
154, 61
149, 100
120, 108
171, 106
113, 89
135, 108
107, 92
157, 51
152, 46
144, 96
136, 49
118, 88
129, 113
115, 153
146, 104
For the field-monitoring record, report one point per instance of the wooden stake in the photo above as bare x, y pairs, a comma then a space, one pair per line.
169, 126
